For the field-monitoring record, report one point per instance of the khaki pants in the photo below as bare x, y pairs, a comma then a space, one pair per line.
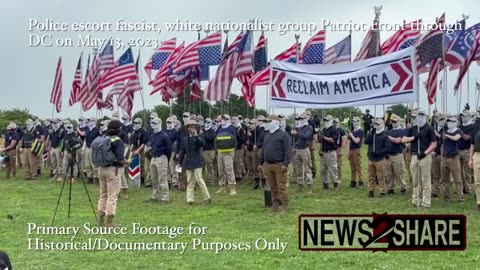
10, 166
252, 164
90, 169
29, 163
209, 168
195, 177
109, 190
238, 163
394, 172
303, 166
19, 156
277, 180
407, 157
260, 175
466, 171
476, 172
123, 178
225, 169
159, 171
421, 176
38, 161
66, 165
339, 163
172, 173
376, 170
329, 167
436, 174
148, 179
312, 154
56, 162
451, 168
356, 165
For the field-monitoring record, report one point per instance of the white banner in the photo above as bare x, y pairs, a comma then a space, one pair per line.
387, 79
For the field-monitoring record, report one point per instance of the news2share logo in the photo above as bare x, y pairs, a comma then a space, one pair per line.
382, 232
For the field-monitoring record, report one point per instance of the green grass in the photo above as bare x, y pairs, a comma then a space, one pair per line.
241, 218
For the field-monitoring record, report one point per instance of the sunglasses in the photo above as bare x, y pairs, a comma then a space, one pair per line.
169, 122
137, 123
208, 122
185, 116
394, 122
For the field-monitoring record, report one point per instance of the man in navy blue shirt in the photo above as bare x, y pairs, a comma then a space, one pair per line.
451, 159
225, 158
340, 142
161, 152
354, 153
439, 126
55, 149
90, 134
172, 133
377, 142
9, 148
394, 157
463, 146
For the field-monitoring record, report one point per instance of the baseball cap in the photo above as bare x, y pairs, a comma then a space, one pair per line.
451, 118
208, 120
261, 118
272, 117
226, 117
138, 121
156, 120
379, 121
186, 114
169, 120
328, 117
336, 120
153, 115
355, 119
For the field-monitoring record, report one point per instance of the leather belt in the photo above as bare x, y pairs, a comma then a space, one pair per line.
274, 161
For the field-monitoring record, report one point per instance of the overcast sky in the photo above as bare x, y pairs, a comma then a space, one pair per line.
27, 73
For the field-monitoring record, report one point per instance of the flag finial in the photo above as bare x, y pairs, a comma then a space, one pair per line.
378, 11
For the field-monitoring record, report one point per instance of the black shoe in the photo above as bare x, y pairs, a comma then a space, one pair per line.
238, 179
257, 183
263, 182
383, 195
39, 172
325, 186
51, 174
478, 207
148, 185
90, 180
361, 184
371, 194
151, 200
465, 192
403, 191
434, 195
353, 184
390, 191
335, 186
190, 203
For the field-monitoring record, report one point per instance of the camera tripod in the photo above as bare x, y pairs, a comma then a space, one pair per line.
72, 163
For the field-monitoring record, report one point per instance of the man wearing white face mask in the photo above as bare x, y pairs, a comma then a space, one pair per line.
28, 159
451, 162
172, 133
241, 138
328, 154
90, 134
182, 137
437, 155
259, 135
138, 141
463, 147
354, 153
208, 153
275, 158
423, 140
303, 133
226, 142
54, 147
377, 142
394, 158
127, 126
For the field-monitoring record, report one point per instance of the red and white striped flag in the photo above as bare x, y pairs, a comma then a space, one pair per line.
159, 57
116, 90
371, 44
244, 72
219, 87
436, 66
201, 52
89, 89
106, 57
123, 70
403, 38
76, 84
56, 95
161, 78
196, 92
125, 100
466, 64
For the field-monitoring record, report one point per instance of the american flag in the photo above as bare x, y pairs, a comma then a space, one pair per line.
106, 57
116, 90
289, 55
371, 44
461, 47
340, 52
196, 92
89, 89
429, 47
160, 81
469, 59
159, 57
219, 87
403, 38
206, 51
125, 101
448, 37
313, 51
244, 71
204, 73
260, 54
56, 95
76, 84
436, 66
124, 70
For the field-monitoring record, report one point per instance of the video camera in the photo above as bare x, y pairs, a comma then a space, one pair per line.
73, 144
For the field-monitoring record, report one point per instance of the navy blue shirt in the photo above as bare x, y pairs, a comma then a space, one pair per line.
304, 136
465, 144
83, 129
127, 128
438, 149
209, 138
395, 148
172, 134
380, 141
56, 137
9, 137
451, 147
91, 135
357, 134
332, 133
118, 149
426, 137
341, 133
230, 129
160, 144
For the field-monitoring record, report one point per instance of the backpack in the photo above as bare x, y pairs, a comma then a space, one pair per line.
102, 155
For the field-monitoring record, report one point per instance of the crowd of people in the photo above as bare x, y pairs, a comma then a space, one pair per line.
404, 155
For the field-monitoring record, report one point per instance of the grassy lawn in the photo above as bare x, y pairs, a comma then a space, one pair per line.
241, 218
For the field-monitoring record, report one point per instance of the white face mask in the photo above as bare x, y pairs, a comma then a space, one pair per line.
69, 130
379, 129
328, 124
127, 122
225, 123
156, 127
236, 124
452, 126
421, 120
262, 125
440, 124
91, 124
208, 126
466, 120
170, 126
137, 126
185, 119
103, 128
298, 123
29, 126
356, 125
274, 126
396, 125
283, 123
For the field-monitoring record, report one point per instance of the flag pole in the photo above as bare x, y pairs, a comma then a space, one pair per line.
269, 88
142, 93
297, 37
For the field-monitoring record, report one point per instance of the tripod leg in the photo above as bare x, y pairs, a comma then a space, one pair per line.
86, 190
58, 202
